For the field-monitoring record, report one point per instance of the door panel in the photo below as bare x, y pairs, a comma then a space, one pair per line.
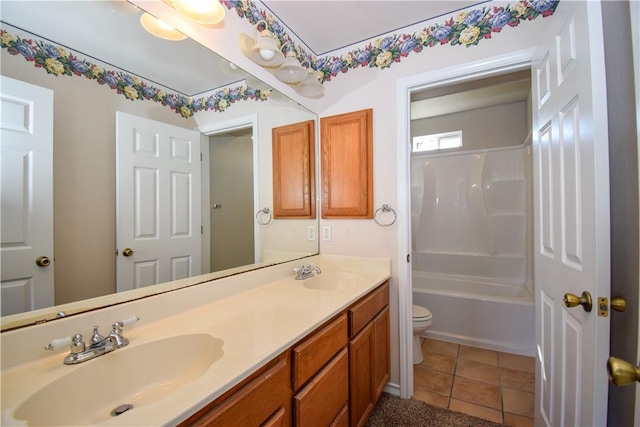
158, 202
571, 203
27, 196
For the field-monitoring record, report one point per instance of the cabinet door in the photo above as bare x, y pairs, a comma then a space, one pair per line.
294, 169
347, 165
381, 360
361, 357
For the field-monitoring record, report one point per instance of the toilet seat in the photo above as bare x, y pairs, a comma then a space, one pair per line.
420, 314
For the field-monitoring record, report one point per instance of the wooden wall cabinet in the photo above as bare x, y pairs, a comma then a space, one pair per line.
294, 169
347, 165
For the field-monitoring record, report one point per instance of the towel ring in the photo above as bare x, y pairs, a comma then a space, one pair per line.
385, 208
265, 211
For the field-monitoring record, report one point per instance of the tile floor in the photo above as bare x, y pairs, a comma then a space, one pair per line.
488, 384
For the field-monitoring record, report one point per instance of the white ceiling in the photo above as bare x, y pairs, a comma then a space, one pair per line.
328, 25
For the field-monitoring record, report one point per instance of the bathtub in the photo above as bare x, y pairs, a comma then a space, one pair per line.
474, 311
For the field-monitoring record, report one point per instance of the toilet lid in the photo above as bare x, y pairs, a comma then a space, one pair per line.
420, 313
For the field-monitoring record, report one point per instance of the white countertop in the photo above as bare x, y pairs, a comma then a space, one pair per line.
257, 317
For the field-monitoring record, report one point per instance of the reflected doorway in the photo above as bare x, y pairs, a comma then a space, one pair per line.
229, 158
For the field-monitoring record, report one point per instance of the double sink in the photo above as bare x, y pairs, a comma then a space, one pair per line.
96, 391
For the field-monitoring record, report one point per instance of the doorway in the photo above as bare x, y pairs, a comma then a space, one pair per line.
230, 194
231, 199
513, 63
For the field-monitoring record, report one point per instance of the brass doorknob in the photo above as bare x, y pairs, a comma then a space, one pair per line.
622, 372
619, 304
127, 252
571, 300
43, 261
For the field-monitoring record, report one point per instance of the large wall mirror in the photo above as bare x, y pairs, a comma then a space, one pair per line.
238, 233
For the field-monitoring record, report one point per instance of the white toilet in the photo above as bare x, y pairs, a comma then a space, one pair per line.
421, 321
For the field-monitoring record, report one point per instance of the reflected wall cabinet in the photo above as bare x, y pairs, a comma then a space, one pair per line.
347, 165
294, 185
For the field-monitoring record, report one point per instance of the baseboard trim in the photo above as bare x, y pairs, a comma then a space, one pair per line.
392, 388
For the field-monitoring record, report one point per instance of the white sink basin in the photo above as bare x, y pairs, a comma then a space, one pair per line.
134, 375
332, 281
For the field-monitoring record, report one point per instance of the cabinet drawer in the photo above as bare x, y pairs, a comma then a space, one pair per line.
265, 399
322, 401
362, 313
317, 350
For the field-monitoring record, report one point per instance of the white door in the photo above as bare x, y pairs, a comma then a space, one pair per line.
571, 178
27, 196
157, 201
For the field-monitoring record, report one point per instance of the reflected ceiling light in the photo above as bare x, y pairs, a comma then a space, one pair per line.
310, 87
291, 71
206, 12
160, 29
263, 50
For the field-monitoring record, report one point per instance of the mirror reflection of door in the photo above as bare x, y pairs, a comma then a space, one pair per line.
157, 202
27, 197
231, 199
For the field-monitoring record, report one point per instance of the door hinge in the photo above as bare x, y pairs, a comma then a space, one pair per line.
202, 229
408, 258
200, 156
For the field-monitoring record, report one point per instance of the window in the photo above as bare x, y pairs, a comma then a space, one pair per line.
437, 141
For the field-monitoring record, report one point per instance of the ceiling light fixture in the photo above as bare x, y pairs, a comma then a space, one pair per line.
263, 49
205, 12
310, 87
291, 71
159, 28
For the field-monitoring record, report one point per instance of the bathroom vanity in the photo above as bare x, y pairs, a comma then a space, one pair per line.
259, 348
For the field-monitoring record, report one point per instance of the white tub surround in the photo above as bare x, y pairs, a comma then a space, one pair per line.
471, 214
257, 315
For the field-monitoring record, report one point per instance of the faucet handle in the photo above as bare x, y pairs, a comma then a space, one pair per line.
58, 343
129, 321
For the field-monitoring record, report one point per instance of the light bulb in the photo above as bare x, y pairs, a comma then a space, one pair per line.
267, 54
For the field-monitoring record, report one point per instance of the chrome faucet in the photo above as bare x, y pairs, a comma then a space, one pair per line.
306, 271
99, 345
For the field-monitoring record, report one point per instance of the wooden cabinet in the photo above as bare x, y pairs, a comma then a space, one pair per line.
294, 169
368, 353
332, 377
262, 399
382, 352
347, 165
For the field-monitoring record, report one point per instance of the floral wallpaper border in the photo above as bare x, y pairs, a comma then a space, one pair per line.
58, 61
467, 29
